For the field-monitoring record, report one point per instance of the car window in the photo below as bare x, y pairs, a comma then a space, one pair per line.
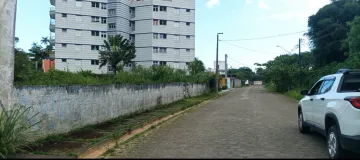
351, 83
316, 88
326, 86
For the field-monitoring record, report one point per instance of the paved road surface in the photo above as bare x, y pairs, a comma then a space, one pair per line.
246, 123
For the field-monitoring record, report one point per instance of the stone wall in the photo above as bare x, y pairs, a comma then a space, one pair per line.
63, 108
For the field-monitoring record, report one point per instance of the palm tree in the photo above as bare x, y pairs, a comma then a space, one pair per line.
118, 52
45, 40
7, 28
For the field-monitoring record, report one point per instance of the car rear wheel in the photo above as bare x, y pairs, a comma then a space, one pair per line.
302, 127
334, 148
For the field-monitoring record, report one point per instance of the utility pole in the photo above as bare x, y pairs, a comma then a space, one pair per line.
226, 65
226, 70
300, 62
217, 62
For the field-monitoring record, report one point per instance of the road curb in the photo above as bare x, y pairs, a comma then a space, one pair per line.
99, 149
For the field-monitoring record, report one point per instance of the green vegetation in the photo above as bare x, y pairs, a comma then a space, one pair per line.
335, 43
15, 129
137, 75
118, 53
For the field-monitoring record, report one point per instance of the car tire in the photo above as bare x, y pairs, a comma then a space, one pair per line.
302, 127
335, 150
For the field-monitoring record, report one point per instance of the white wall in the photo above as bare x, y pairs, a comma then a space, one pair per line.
63, 108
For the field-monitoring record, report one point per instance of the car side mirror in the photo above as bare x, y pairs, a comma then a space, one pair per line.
304, 92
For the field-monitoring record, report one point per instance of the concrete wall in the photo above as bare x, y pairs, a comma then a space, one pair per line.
63, 108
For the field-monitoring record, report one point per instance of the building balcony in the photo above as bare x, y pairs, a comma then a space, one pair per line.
52, 2
52, 12
52, 41
52, 26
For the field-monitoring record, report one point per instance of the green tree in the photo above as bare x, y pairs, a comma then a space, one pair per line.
119, 52
353, 42
328, 30
45, 40
196, 66
22, 66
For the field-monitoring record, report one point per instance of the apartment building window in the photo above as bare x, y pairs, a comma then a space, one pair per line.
187, 10
77, 47
163, 8
155, 50
156, 8
78, 32
95, 19
188, 23
64, 45
95, 33
155, 63
176, 38
103, 34
162, 63
187, 37
163, 22
155, 22
103, 20
64, 30
64, 15
63, 60
155, 36
95, 4
78, 18
176, 10
162, 50
112, 11
132, 38
188, 50
176, 24
177, 51
95, 62
78, 3
163, 36
112, 25
103, 6
95, 47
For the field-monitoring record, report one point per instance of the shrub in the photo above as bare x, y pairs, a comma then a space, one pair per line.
15, 129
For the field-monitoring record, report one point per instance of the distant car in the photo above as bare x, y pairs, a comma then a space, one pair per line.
332, 108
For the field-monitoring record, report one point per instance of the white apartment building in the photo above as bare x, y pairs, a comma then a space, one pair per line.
163, 31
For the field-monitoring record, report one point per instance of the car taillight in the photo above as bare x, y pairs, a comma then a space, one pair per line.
355, 101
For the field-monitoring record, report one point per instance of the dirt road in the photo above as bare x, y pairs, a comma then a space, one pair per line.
246, 123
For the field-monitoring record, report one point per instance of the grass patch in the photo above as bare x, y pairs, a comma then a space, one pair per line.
73, 154
295, 94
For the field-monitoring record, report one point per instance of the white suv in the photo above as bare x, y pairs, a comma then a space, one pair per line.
332, 108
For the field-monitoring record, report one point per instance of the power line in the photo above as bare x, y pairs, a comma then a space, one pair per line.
249, 39
248, 48
238, 62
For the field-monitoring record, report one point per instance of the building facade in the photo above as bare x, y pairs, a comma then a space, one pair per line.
163, 31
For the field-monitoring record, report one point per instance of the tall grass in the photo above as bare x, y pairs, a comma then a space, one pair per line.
137, 75
15, 129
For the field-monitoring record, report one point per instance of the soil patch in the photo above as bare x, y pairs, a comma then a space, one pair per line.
86, 135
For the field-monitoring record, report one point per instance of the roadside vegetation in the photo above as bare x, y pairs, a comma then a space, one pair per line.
118, 53
335, 43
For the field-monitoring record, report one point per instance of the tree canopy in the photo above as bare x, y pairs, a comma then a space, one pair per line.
118, 52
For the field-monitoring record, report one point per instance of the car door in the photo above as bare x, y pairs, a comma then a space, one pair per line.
320, 103
308, 102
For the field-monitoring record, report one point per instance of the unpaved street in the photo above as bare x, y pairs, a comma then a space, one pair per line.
246, 123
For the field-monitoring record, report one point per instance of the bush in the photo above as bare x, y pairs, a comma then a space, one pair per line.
14, 129
224, 87
295, 94
137, 75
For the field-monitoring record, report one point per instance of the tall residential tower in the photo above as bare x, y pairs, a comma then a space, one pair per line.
163, 31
